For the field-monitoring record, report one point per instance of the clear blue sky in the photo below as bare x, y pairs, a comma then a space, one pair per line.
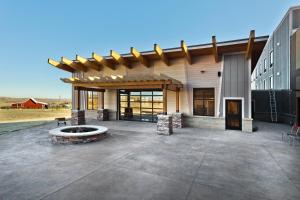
32, 31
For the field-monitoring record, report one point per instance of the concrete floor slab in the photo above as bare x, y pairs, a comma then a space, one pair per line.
133, 162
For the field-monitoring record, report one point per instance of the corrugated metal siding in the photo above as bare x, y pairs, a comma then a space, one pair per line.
279, 42
235, 81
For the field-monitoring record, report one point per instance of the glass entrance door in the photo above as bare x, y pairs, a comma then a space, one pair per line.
140, 105
233, 114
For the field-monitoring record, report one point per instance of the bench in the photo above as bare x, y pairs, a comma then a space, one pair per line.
61, 120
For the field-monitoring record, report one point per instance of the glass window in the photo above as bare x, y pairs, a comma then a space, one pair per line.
157, 93
92, 100
271, 82
140, 105
146, 93
260, 70
265, 65
271, 59
135, 93
204, 101
265, 87
158, 99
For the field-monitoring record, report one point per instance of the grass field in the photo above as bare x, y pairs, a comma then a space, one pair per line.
23, 115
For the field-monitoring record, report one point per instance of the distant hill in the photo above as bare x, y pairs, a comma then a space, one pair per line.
7, 101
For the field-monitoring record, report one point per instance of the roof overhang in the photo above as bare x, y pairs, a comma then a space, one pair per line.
146, 58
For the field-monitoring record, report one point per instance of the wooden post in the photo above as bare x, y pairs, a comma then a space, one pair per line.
102, 100
78, 99
177, 100
165, 99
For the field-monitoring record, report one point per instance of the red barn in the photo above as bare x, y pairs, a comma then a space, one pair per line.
30, 104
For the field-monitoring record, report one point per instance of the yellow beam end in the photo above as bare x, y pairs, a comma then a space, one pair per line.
115, 55
66, 61
135, 52
158, 50
184, 46
53, 62
186, 51
81, 59
97, 57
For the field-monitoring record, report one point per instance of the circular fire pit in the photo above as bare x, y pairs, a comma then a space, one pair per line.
77, 134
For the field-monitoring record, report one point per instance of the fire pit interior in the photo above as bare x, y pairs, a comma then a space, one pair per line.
77, 134
78, 130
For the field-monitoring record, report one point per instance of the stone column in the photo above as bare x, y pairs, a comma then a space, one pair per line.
103, 115
78, 117
177, 120
164, 125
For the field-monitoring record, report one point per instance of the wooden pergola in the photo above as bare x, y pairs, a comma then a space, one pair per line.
101, 83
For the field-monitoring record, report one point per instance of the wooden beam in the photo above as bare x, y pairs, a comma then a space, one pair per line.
87, 63
158, 86
165, 99
139, 57
108, 84
215, 48
119, 59
186, 52
102, 100
60, 65
161, 54
250, 44
78, 99
89, 89
101, 60
177, 99
76, 66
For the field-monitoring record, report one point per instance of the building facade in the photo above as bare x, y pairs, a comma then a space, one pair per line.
208, 85
273, 80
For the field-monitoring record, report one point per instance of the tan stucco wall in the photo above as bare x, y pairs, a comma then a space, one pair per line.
190, 75
203, 73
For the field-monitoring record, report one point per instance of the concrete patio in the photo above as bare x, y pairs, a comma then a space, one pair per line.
135, 163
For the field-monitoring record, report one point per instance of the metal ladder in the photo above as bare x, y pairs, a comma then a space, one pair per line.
273, 107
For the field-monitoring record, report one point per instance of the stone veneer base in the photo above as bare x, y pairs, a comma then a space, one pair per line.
103, 115
247, 125
164, 125
177, 120
78, 117
77, 140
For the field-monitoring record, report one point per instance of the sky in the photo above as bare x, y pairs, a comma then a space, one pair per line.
32, 31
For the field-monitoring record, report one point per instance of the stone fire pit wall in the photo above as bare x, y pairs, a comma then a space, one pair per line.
164, 125
103, 115
177, 119
78, 117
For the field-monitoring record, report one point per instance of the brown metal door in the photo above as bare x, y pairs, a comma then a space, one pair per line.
233, 115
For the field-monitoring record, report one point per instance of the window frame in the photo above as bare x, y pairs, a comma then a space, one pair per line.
271, 58
271, 82
96, 106
203, 99
265, 65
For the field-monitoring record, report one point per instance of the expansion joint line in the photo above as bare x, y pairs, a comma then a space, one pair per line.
195, 176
